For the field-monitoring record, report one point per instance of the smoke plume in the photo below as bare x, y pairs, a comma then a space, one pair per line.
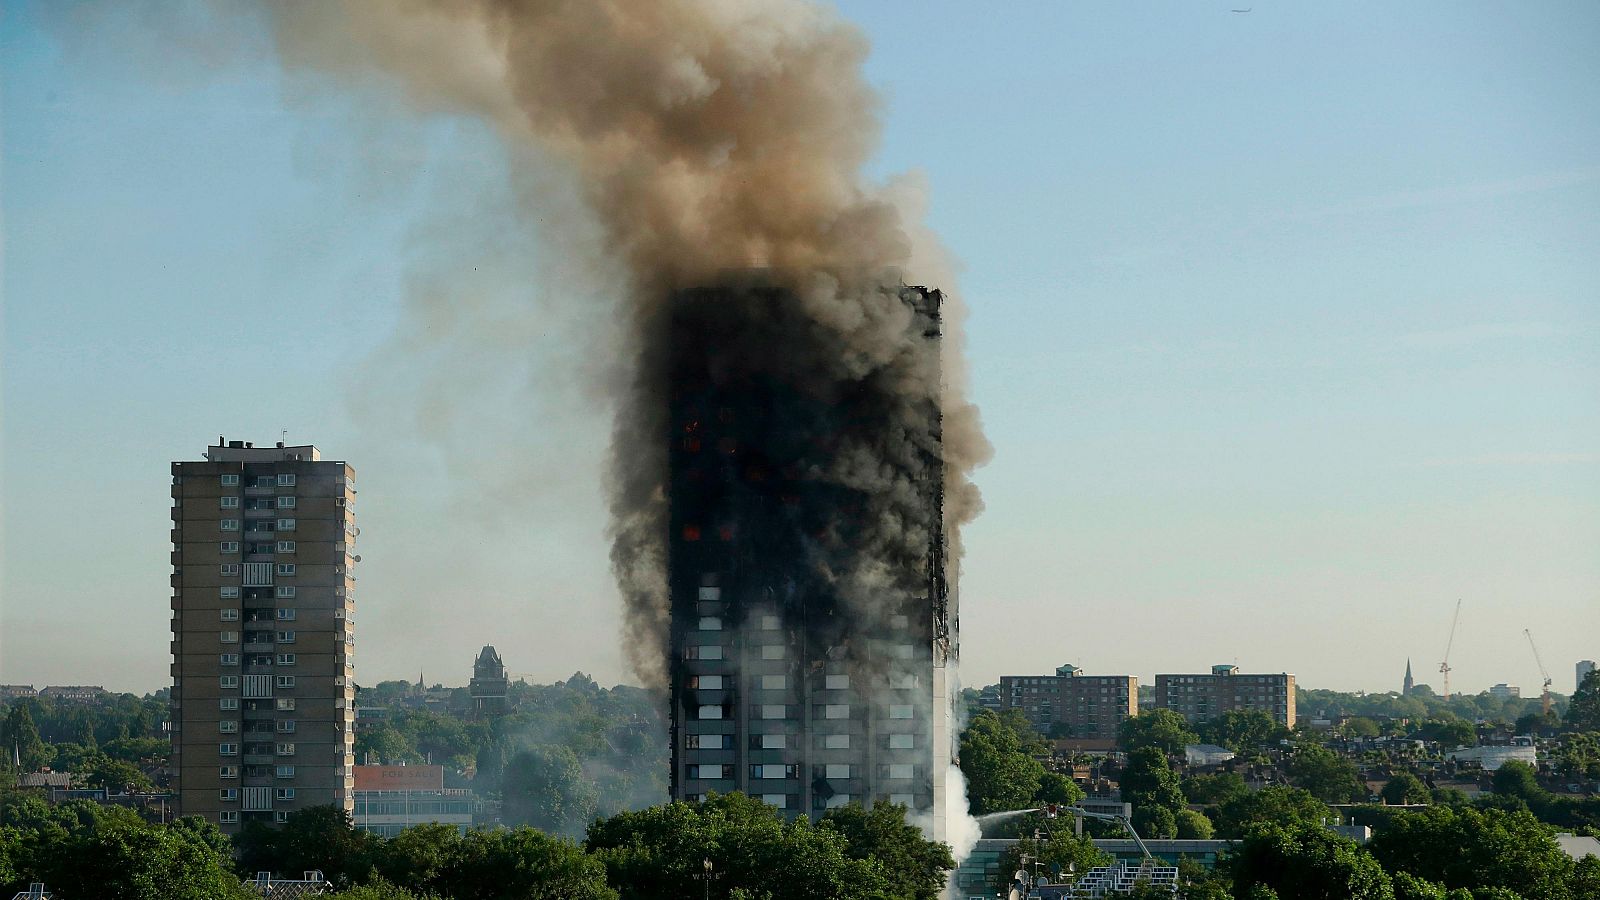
703, 137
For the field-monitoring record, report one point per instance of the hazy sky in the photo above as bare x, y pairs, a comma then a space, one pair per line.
1285, 327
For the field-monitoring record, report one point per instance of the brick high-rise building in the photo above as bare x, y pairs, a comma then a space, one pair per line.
1202, 697
1083, 706
263, 687
780, 689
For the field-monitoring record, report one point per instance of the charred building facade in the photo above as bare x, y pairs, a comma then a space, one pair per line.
811, 620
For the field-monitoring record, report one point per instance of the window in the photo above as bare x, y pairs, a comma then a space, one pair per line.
230, 480
704, 651
902, 651
227, 771
836, 682
284, 793
280, 817
285, 591
229, 502
773, 770
229, 614
836, 770
774, 711
229, 681
710, 593
285, 524
228, 794
836, 711
781, 801
228, 703
703, 742
229, 524
770, 623
774, 682
286, 726
707, 771
906, 681
837, 801
773, 651
900, 711
897, 770
285, 771
899, 621
228, 546
285, 568
230, 659
230, 570
769, 741
286, 546
227, 749
706, 682
286, 503
286, 479
285, 659
905, 800
229, 637
285, 614
228, 817
229, 726
285, 637
710, 623
710, 712
902, 742
836, 742
285, 704
286, 681
285, 749
229, 592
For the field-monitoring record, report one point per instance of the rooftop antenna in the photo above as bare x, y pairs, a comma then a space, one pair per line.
1444, 667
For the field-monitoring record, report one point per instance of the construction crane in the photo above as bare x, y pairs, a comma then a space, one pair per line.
1444, 667
1545, 698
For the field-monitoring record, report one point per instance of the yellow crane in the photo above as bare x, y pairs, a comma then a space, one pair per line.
1545, 698
1444, 667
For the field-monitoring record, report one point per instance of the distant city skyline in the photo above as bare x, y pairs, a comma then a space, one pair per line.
1283, 326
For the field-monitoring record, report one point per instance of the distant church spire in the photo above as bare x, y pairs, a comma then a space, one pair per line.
1406, 690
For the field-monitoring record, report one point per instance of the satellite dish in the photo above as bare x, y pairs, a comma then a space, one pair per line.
356, 558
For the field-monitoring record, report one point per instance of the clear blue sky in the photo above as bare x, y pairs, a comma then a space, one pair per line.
1285, 327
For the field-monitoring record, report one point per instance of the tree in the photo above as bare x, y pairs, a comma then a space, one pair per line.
20, 737
1242, 729
657, 852
316, 837
1578, 755
1360, 727
545, 787
1163, 729
1475, 849
1062, 856
1000, 774
1328, 776
1450, 733
1057, 788
522, 864
1307, 862
1215, 789
1194, 826
914, 866
1516, 778
1280, 805
1583, 712
114, 775
136, 861
1409, 887
378, 889
1149, 783
1404, 787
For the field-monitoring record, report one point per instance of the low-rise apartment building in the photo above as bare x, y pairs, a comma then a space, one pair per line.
390, 799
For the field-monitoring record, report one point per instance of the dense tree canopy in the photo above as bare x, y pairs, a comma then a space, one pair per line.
1242, 729
1280, 805
1583, 712
1155, 791
1329, 777
1307, 862
1469, 848
1001, 774
1162, 729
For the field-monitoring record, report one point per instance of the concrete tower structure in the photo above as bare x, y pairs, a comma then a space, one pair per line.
263, 681
784, 684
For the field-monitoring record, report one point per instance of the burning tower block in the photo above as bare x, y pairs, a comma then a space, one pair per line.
811, 621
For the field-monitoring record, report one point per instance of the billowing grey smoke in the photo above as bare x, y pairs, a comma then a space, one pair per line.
704, 136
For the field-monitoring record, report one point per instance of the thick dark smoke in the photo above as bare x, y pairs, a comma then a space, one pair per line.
704, 136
